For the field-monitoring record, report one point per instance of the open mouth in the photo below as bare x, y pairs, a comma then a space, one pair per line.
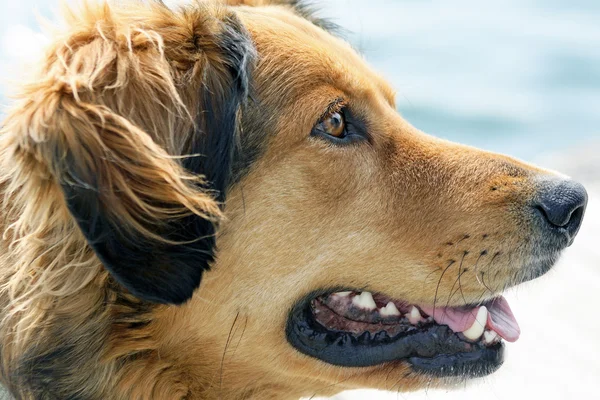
359, 329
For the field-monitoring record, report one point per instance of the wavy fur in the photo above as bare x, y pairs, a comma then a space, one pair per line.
103, 159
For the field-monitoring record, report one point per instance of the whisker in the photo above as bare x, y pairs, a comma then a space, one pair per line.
452, 288
456, 291
459, 275
483, 272
224, 351
484, 284
438, 286
476, 266
240, 339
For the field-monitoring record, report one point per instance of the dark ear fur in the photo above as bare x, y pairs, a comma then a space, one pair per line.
218, 117
147, 216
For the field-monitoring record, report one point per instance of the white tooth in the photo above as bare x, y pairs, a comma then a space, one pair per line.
364, 300
489, 336
342, 294
389, 310
476, 330
414, 316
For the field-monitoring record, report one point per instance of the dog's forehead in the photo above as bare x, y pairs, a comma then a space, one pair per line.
295, 55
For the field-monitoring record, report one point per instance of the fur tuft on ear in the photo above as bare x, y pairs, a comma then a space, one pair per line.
134, 116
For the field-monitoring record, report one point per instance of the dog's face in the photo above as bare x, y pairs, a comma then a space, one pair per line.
343, 195
355, 250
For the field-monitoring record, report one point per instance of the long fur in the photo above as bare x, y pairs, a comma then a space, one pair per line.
129, 127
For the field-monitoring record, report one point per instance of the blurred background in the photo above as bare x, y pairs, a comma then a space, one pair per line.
521, 77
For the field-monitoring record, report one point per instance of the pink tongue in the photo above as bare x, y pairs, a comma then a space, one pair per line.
458, 319
500, 318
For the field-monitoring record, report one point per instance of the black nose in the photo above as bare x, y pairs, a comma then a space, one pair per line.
562, 205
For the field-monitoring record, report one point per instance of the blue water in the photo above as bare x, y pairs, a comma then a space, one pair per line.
517, 76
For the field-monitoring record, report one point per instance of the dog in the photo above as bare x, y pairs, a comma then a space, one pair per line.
221, 201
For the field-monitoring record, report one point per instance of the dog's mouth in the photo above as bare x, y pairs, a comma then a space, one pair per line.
359, 329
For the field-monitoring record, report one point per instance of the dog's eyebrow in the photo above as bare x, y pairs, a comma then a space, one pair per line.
335, 106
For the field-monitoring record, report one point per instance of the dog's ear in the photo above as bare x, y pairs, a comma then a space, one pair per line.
135, 117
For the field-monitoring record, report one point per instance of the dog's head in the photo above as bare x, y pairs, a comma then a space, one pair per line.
346, 248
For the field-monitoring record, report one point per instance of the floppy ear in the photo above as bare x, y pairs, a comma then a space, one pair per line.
122, 100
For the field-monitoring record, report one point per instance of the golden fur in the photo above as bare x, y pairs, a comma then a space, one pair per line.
116, 100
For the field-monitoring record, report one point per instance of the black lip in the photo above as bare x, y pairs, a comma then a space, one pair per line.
475, 364
431, 349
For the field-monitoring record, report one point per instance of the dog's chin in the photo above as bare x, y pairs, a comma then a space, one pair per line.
360, 329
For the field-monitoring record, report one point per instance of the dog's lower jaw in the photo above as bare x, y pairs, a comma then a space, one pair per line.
229, 371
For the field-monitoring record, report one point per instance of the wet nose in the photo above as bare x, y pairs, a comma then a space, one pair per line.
561, 204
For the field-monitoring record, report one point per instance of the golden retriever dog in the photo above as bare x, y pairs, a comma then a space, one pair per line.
221, 201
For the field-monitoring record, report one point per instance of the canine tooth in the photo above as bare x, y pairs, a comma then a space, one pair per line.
414, 316
478, 327
364, 300
390, 310
489, 336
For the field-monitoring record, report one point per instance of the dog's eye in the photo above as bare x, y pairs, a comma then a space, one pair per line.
340, 127
333, 125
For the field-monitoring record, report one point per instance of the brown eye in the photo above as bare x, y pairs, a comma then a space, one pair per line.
340, 127
334, 125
